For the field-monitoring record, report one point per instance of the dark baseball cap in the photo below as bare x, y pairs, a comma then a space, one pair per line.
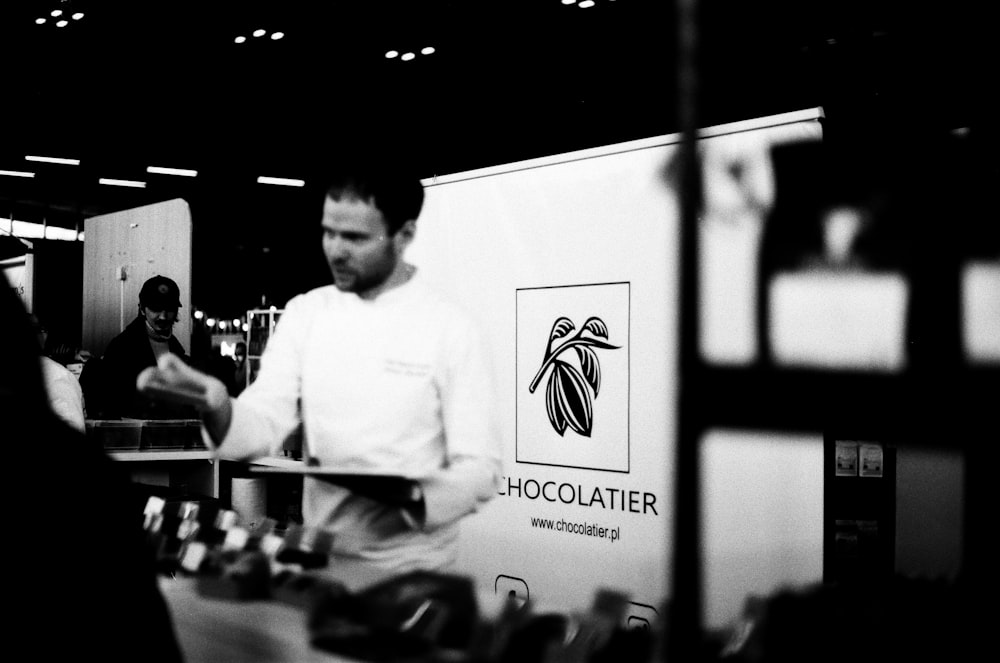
160, 294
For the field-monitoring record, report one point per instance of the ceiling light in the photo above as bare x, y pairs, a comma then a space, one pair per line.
280, 181
407, 57
67, 162
77, 16
16, 173
62, 24
162, 170
240, 39
259, 33
56, 12
55, 232
427, 50
40, 21
391, 54
277, 35
586, 3
22, 230
130, 183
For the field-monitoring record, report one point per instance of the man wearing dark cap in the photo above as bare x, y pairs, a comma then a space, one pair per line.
137, 347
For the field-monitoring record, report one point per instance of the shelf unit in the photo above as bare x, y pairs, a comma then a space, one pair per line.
261, 323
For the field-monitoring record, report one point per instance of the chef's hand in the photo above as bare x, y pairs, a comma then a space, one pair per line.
174, 381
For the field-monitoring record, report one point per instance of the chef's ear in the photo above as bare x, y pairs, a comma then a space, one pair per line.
405, 235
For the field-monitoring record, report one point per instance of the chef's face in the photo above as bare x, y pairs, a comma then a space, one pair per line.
358, 247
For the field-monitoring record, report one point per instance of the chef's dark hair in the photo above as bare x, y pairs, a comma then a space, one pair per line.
385, 179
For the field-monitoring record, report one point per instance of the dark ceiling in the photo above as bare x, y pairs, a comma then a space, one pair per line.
141, 82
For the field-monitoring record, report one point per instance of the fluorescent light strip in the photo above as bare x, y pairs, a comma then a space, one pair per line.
17, 173
114, 182
67, 162
31, 230
281, 181
162, 170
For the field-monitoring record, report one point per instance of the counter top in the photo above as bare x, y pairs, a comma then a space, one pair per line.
162, 454
213, 630
196, 454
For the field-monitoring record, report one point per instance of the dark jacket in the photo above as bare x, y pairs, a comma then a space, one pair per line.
81, 576
127, 355
89, 589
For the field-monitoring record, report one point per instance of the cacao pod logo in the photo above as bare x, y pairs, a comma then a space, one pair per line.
567, 396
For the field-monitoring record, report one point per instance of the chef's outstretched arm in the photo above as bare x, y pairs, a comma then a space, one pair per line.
174, 381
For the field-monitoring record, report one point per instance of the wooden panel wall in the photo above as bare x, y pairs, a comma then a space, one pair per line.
145, 241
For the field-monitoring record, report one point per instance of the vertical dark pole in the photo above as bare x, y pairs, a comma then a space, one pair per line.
684, 617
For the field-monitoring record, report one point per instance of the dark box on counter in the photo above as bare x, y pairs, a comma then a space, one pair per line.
115, 434
136, 434
171, 434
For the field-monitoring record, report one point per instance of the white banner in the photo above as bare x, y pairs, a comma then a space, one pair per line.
571, 265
